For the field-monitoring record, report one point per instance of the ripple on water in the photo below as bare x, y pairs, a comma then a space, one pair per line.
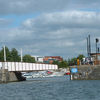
56, 88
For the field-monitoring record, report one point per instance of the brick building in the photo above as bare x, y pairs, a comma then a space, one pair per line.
51, 59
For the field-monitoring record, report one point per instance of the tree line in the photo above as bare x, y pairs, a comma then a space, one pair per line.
13, 56
69, 62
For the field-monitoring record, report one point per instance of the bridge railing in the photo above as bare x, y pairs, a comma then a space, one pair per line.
22, 66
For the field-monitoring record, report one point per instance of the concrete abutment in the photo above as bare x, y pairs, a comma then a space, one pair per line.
6, 76
87, 72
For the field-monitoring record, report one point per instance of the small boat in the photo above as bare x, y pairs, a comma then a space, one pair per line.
27, 76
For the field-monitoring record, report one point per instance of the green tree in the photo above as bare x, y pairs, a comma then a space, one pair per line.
69, 62
63, 64
56, 62
8, 56
14, 55
80, 57
74, 61
28, 58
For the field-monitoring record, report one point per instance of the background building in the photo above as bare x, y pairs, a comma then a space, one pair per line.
39, 59
51, 59
96, 58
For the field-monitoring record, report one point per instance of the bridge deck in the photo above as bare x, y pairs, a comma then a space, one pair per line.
21, 66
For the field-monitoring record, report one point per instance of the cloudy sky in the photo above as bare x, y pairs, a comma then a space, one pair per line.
49, 27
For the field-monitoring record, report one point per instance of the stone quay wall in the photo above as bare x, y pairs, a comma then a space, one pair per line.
86, 72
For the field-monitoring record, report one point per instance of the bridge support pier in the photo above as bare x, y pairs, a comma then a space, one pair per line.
6, 76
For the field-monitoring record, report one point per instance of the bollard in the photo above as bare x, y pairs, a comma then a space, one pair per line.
71, 77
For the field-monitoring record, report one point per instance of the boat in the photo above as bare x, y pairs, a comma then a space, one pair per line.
26, 75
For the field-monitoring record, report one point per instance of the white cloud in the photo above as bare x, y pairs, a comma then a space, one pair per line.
5, 22
30, 6
57, 33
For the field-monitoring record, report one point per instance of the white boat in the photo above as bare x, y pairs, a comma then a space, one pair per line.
57, 74
26, 75
42, 74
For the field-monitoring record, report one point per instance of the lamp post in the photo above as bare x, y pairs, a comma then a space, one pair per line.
4, 57
4, 54
21, 55
88, 46
97, 40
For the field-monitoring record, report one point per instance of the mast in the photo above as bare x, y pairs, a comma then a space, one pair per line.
21, 55
4, 54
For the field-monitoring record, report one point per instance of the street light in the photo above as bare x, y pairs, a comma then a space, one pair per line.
88, 46
4, 54
21, 55
97, 40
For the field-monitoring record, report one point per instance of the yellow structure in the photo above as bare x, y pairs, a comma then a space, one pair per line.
78, 62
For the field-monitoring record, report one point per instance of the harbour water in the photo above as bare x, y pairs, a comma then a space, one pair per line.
53, 88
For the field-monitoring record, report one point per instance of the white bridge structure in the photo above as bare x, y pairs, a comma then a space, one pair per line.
24, 67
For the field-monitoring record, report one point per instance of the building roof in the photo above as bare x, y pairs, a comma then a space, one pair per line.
95, 54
